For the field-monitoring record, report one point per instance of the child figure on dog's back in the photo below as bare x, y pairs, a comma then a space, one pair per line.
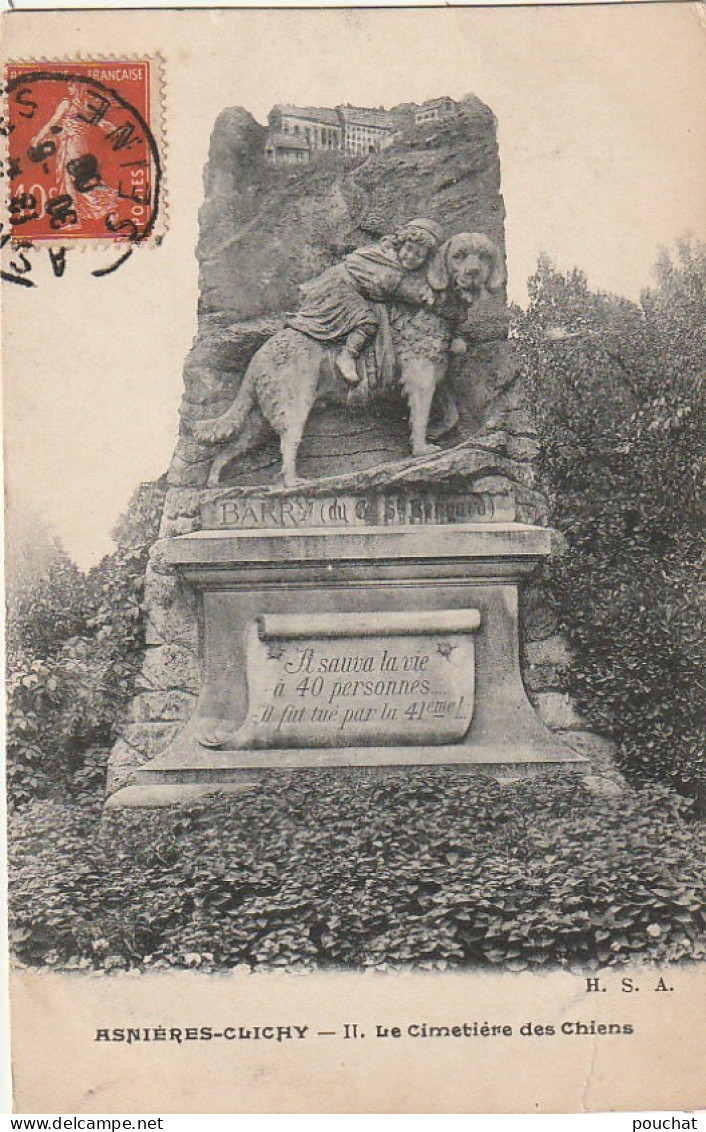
339, 304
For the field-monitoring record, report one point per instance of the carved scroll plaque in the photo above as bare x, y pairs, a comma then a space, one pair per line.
372, 679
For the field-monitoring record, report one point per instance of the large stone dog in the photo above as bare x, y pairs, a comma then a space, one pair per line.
286, 376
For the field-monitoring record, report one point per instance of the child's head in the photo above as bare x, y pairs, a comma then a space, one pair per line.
414, 242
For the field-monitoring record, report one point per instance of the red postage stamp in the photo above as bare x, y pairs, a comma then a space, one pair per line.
83, 163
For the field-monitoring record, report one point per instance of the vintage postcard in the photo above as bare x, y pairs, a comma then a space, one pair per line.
353, 372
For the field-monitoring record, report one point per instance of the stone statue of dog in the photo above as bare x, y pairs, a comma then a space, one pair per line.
284, 378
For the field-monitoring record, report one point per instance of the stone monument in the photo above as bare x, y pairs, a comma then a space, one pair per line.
352, 508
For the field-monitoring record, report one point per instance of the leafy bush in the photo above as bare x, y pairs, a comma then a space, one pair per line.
620, 402
47, 602
427, 867
74, 645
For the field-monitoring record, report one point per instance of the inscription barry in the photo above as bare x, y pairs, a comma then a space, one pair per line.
262, 512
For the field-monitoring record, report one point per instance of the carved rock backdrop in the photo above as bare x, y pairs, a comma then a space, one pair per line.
264, 230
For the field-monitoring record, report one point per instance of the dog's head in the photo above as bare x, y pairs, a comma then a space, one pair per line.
470, 263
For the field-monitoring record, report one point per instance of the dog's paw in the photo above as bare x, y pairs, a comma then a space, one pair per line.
211, 432
359, 397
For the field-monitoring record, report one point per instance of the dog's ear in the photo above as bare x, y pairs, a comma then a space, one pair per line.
496, 268
438, 275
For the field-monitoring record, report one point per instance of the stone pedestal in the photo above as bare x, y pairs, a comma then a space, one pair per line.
370, 647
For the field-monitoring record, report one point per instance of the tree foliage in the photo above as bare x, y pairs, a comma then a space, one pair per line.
619, 396
74, 644
45, 592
